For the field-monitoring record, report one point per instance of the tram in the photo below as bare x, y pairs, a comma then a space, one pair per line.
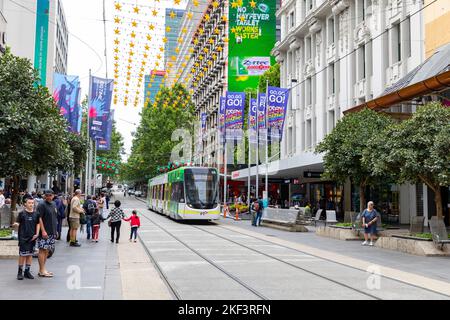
187, 193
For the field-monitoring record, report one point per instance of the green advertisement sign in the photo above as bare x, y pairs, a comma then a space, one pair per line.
41, 43
252, 35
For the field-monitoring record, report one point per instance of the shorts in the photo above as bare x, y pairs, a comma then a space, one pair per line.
372, 229
26, 248
74, 223
47, 244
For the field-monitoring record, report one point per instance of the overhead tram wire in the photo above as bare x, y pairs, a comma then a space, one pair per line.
70, 33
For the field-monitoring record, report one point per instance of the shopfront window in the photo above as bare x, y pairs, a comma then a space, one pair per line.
327, 196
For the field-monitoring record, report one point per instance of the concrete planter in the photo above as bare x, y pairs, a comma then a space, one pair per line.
9, 249
412, 245
340, 233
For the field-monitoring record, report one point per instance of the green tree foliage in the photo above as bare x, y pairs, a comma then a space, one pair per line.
273, 75
152, 143
343, 149
416, 150
116, 151
33, 135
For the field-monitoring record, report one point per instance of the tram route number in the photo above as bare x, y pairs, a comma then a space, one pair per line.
226, 309
203, 213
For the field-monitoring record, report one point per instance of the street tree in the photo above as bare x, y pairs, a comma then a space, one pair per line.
273, 75
33, 135
343, 150
416, 150
152, 143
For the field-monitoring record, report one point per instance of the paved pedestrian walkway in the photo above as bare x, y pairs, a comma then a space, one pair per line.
94, 271
436, 268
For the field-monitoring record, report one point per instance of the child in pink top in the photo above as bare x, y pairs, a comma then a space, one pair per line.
135, 223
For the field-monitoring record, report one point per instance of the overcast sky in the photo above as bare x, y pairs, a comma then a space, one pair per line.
85, 21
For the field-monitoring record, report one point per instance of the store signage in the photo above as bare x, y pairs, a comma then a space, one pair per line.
309, 174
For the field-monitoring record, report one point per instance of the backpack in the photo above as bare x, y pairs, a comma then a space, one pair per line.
256, 206
91, 208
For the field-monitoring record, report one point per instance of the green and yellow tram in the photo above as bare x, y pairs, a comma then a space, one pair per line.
187, 193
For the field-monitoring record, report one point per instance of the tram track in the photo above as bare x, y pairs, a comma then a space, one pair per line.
301, 268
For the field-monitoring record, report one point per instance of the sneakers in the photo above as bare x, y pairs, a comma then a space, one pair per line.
75, 244
135, 241
20, 276
371, 244
27, 274
130, 240
365, 243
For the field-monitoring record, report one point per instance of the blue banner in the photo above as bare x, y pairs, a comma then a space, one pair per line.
66, 94
105, 144
252, 121
222, 110
277, 108
203, 119
99, 107
234, 115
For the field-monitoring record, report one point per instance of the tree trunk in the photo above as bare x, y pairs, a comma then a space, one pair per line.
438, 202
362, 197
16, 181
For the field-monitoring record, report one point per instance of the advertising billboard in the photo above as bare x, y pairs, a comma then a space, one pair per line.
252, 35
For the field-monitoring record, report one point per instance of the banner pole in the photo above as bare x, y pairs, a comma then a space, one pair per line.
257, 146
267, 141
86, 183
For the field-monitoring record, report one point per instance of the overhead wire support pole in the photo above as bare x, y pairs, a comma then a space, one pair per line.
104, 30
267, 143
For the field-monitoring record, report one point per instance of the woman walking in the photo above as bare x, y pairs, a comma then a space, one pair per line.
116, 215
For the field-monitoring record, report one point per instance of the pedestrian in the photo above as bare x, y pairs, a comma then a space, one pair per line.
48, 222
67, 213
369, 221
2, 198
28, 223
74, 218
135, 223
125, 193
96, 220
89, 207
258, 207
116, 215
107, 198
101, 203
61, 214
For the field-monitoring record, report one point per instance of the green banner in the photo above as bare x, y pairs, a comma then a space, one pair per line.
252, 35
41, 43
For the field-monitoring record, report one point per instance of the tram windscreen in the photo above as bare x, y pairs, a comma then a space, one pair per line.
201, 188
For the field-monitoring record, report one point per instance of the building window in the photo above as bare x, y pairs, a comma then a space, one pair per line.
407, 36
331, 30
396, 43
332, 79
292, 19
361, 63
308, 48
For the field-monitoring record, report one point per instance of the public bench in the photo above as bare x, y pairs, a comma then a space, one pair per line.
287, 219
438, 232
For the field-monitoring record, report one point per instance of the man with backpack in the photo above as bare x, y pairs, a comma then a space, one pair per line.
89, 207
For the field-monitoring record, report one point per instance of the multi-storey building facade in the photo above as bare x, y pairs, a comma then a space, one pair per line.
209, 80
172, 25
2, 28
22, 18
335, 55
188, 25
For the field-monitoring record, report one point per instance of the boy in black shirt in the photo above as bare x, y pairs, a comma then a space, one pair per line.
28, 223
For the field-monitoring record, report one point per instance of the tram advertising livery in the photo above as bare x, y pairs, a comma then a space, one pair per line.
188, 193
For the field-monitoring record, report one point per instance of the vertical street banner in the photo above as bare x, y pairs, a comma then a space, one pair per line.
41, 41
277, 107
99, 107
262, 117
234, 115
203, 119
105, 144
66, 93
222, 110
252, 121
252, 35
